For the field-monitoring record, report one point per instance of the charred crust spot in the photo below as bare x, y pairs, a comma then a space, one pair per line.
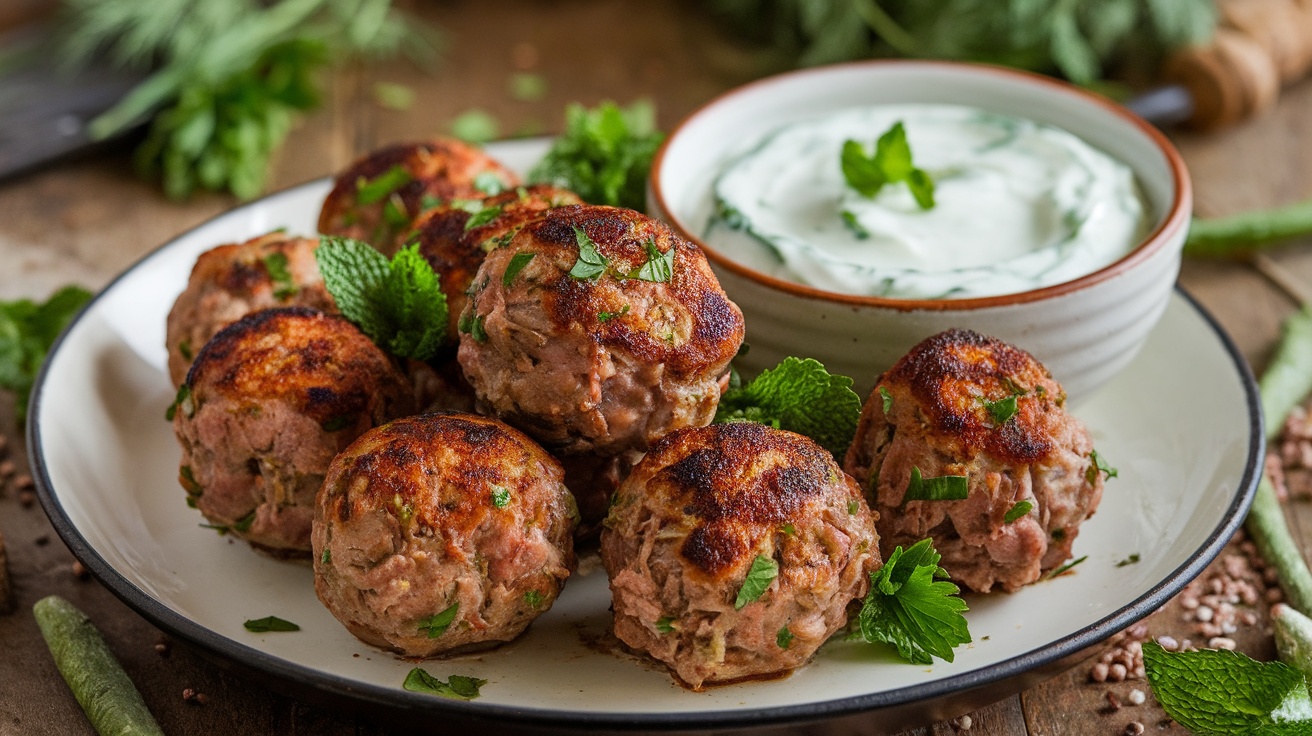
716, 548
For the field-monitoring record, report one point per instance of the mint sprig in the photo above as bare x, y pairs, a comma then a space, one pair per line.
913, 607
891, 163
399, 304
27, 330
1217, 692
798, 395
604, 154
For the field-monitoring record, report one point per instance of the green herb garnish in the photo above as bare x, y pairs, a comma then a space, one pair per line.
1019, 510
912, 606
188, 479
244, 523
27, 330
887, 398
604, 155
327, 557
456, 686
398, 304
591, 263
763, 572
890, 164
500, 496
798, 395
665, 624
1133, 558
659, 266
270, 623
788, 529
1064, 568
337, 423
852, 507
375, 190
281, 276
489, 183
784, 638
437, 624
517, 264
608, 316
533, 598
1001, 410
1098, 465
181, 400
942, 488
859, 231
482, 217
472, 324
1215, 692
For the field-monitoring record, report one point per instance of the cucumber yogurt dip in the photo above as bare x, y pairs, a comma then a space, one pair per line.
1019, 205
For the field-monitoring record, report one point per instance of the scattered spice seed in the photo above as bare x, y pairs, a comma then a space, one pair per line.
1133, 728
1137, 697
27, 499
42, 540
24, 482
963, 723
1113, 702
80, 570
7, 467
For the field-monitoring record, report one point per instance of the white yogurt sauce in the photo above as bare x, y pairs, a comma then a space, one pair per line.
1019, 205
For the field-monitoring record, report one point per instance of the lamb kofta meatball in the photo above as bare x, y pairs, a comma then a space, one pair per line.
442, 533
988, 419
598, 329
378, 198
231, 281
269, 402
734, 550
454, 240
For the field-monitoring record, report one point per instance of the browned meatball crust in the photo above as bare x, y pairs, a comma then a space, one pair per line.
939, 422
687, 526
231, 281
442, 513
606, 362
269, 402
455, 250
378, 198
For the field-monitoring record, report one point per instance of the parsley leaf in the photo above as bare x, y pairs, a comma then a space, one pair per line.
1001, 410
659, 266
533, 598
666, 624
913, 607
798, 395
375, 190
784, 638
437, 624
1098, 465
270, 623
482, 217
1133, 558
27, 330
890, 164
456, 686
886, 398
591, 263
1065, 568
1225, 692
763, 572
1019, 510
398, 304
281, 276
517, 264
942, 488
500, 496
608, 316
604, 154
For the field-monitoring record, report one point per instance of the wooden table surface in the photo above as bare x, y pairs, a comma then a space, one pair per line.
83, 222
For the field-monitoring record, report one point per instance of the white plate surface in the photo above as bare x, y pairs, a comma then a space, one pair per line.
1181, 425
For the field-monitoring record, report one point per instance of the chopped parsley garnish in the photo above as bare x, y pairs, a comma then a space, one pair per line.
608, 316
437, 624
472, 324
339, 422
482, 217
500, 496
244, 523
665, 624
375, 190
784, 638
184, 349
489, 183
798, 395
1015, 512
1133, 558
887, 398
187, 479
859, 231
1064, 568
270, 623
399, 303
659, 266
789, 529
533, 598
852, 507
912, 606
890, 164
428, 202
181, 401
394, 213
763, 572
1001, 410
942, 488
517, 264
327, 557
591, 263
1098, 465
456, 686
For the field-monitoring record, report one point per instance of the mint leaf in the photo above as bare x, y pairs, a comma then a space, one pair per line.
604, 155
457, 686
398, 304
659, 266
763, 572
437, 624
798, 395
912, 607
27, 331
591, 263
1019, 510
890, 164
942, 488
270, 623
517, 264
375, 190
1221, 692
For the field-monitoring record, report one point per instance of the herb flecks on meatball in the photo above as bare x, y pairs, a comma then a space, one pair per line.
442, 533
734, 550
598, 329
379, 197
268, 403
231, 281
966, 440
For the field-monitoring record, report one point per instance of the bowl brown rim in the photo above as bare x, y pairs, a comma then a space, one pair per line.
1176, 215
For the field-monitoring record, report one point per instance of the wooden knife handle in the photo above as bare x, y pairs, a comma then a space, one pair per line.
1259, 46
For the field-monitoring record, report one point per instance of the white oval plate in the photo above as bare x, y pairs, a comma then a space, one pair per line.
1182, 424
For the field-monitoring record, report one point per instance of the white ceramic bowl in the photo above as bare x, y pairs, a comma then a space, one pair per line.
1084, 331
